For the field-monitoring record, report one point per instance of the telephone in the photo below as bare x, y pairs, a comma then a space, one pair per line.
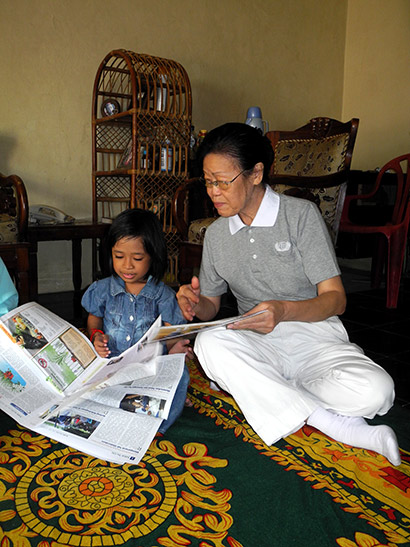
45, 214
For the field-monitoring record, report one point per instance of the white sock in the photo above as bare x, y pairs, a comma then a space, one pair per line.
355, 431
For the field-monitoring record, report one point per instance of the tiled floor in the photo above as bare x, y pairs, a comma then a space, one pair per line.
383, 334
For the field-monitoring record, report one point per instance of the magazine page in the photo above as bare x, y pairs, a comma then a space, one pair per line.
59, 351
151, 395
64, 356
164, 384
178, 331
138, 361
24, 390
120, 425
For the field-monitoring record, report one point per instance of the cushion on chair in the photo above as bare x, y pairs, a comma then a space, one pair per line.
197, 229
329, 200
310, 157
8, 229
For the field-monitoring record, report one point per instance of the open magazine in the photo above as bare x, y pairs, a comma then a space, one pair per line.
53, 382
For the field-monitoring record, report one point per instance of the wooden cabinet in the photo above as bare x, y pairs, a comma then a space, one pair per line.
141, 124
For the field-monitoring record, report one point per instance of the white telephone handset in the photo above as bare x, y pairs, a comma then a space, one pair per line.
45, 214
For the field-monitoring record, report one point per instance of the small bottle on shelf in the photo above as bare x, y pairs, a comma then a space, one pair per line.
166, 156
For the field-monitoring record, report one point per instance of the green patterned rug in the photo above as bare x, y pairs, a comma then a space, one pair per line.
210, 482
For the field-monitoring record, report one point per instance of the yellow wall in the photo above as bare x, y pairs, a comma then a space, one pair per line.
288, 57
377, 79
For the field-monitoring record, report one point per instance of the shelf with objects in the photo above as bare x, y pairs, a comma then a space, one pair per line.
141, 127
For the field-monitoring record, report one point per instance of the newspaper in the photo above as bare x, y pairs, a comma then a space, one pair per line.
53, 382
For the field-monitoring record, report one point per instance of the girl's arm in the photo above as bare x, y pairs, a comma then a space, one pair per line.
97, 336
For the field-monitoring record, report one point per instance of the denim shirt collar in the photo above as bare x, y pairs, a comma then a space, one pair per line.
117, 286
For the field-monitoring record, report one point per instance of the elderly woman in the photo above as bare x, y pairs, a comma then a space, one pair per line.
292, 364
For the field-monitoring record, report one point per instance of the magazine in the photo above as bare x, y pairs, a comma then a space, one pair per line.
178, 331
53, 381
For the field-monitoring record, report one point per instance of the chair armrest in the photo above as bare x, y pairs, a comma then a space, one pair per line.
355, 197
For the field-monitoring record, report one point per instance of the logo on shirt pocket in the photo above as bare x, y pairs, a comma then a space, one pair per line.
282, 246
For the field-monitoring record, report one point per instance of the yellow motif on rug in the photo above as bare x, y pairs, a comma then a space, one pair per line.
66, 498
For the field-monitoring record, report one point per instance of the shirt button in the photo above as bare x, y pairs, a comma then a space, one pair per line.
252, 240
128, 338
131, 318
254, 256
131, 299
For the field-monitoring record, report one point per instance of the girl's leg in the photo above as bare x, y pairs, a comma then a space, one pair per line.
178, 402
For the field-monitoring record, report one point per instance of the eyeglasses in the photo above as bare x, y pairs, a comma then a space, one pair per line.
222, 184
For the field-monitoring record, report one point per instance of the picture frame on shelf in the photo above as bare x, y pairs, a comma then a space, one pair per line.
110, 107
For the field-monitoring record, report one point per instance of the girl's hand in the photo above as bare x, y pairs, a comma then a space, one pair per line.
100, 342
182, 346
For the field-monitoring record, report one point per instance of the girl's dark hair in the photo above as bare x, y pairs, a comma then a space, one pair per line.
241, 142
133, 223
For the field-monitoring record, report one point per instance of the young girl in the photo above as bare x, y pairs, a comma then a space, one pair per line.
123, 306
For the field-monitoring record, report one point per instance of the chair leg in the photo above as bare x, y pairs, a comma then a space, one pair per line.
378, 261
396, 248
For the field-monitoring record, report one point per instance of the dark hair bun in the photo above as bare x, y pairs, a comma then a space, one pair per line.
242, 142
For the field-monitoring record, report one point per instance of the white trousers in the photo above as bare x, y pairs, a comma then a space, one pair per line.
279, 379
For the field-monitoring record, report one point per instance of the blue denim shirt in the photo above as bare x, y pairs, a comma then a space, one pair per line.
126, 317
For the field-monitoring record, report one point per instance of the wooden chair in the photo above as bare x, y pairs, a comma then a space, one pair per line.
193, 212
14, 247
392, 232
311, 162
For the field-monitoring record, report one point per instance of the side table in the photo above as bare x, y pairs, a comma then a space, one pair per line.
74, 232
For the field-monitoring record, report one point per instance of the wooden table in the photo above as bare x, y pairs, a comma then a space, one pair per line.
74, 232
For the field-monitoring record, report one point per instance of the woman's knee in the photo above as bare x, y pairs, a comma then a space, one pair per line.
362, 388
380, 392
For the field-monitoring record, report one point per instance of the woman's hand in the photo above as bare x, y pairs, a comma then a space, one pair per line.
188, 298
100, 342
330, 301
273, 313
